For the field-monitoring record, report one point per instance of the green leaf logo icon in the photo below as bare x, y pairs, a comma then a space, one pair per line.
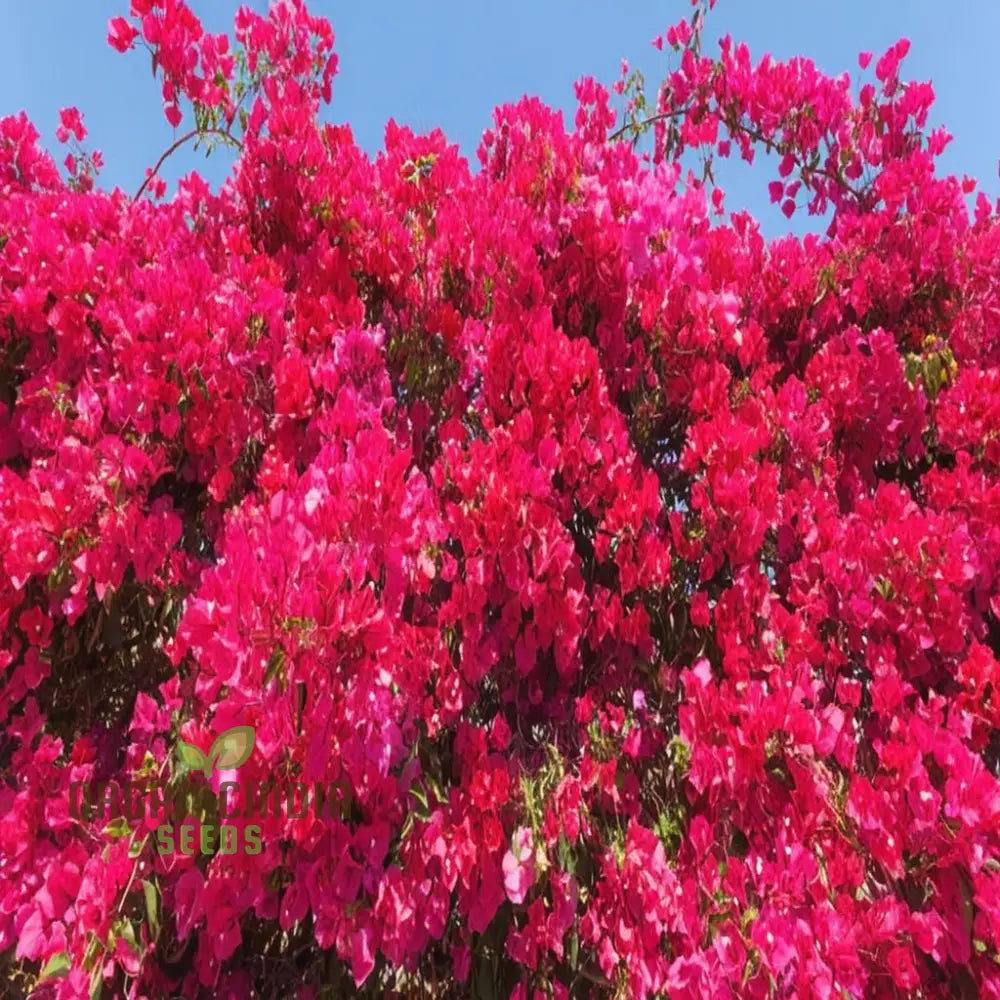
191, 757
230, 749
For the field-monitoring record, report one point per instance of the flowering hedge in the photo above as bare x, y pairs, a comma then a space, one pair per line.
628, 582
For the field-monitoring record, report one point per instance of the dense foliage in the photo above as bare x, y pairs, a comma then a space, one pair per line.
635, 579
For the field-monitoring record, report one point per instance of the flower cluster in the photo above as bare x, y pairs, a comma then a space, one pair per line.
634, 578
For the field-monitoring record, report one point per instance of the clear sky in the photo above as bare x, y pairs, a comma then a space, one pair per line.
448, 63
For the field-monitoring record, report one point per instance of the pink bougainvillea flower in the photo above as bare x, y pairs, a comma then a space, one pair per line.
519, 866
610, 589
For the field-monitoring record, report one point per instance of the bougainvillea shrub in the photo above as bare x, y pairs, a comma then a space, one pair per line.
621, 587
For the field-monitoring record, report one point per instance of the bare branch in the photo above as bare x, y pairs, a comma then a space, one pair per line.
187, 137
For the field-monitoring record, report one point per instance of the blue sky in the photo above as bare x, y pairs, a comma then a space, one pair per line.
448, 63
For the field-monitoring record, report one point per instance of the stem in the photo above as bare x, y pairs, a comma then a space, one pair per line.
187, 137
135, 868
780, 149
643, 122
754, 134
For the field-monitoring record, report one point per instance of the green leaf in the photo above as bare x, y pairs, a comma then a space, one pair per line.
191, 756
94, 948
118, 828
232, 748
152, 907
127, 933
56, 967
567, 862
97, 982
274, 665
200, 382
